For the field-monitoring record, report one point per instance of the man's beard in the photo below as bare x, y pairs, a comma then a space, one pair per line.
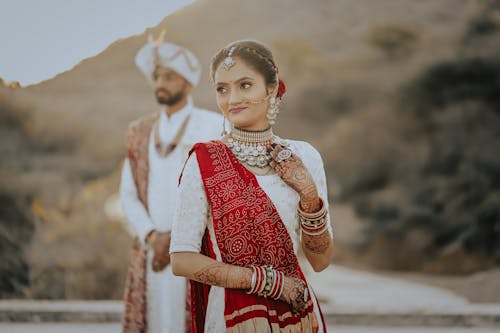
170, 99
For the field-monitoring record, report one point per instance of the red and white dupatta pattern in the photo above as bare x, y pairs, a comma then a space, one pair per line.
249, 232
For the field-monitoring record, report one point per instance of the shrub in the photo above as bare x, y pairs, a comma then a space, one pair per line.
456, 81
396, 40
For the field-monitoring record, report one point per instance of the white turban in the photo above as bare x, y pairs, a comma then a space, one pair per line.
170, 56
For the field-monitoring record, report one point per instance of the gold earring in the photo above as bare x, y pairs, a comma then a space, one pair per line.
274, 109
224, 132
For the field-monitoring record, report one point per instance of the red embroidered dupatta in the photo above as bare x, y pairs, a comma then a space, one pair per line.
135, 316
248, 231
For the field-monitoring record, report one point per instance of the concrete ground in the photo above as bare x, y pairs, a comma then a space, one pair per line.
115, 328
352, 301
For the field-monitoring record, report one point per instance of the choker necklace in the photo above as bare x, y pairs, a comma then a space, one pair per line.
251, 147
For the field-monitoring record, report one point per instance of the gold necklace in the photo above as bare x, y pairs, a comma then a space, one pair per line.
163, 149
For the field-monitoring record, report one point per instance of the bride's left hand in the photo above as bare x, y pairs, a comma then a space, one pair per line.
293, 172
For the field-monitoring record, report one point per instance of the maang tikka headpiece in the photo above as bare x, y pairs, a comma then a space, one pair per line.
228, 61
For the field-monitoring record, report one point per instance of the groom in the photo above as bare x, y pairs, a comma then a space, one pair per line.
158, 144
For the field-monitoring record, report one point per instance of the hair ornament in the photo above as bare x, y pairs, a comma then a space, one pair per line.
228, 61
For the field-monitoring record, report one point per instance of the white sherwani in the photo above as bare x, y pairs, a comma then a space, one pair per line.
166, 293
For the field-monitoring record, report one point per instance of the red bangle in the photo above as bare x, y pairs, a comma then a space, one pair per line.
277, 285
267, 282
261, 280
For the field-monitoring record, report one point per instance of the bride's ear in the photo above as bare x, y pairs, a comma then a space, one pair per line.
272, 89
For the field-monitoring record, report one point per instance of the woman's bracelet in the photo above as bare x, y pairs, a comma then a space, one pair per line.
281, 284
314, 227
257, 284
267, 282
312, 217
313, 224
316, 233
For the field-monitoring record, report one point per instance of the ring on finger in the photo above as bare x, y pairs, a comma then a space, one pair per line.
283, 155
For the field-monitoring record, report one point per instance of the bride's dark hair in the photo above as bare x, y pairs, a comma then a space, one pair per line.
253, 53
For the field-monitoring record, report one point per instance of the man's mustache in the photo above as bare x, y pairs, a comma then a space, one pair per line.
162, 90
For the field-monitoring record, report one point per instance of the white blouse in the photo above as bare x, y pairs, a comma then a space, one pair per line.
193, 216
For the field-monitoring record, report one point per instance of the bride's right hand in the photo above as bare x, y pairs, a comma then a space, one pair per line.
293, 293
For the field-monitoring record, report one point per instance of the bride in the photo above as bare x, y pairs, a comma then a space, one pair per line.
247, 203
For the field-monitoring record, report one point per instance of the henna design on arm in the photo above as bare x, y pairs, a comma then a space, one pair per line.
224, 275
317, 244
296, 175
310, 204
293, 293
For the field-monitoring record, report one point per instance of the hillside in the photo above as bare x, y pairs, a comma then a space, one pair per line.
330, 41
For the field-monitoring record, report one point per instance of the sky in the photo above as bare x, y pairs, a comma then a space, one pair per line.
42, 38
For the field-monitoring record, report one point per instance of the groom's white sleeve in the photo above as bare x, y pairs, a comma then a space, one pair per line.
135, 212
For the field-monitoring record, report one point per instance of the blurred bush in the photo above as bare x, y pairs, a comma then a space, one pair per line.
16, 230
422, 167
458, 81
444, 206
488, 20
395, 40
55, 238
79, 252
16, 222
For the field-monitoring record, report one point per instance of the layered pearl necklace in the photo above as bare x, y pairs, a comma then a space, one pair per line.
251, 147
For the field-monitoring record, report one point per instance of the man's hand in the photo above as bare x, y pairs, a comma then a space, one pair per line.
160, 244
